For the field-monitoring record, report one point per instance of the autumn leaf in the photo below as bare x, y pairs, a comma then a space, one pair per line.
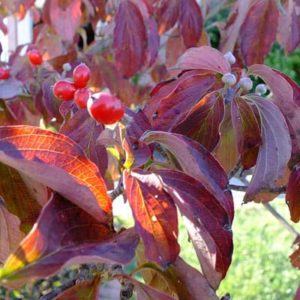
155, 216
207, 222
129, 38
275, 150
258, 31
203, 121
196, 161
293, 193
56, 161
64, 233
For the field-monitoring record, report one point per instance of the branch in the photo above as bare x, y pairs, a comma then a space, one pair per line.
117, 191
243, 188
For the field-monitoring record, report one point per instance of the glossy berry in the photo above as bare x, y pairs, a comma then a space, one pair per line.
107, 109
64, 90
246, 83
229, 79
81, 76
81, 97
35, 57
4, 74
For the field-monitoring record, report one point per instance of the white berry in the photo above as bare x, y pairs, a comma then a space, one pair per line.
229, 79
261, 89
230, 57
67, 67
246, 83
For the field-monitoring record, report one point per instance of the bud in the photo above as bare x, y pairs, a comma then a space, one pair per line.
246, 83
67, 67
230, 57
229, 79
261, 89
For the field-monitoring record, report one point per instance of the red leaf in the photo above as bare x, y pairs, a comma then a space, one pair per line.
293, 194
10, 233
65, 17
258, 32
167, 14
190, 22
297, 296
295, 256
193, 281
286, 96
196, 161
64, 233
203, 121
172, 101
247, 131
230, 34
275, 150
155, 216
204, 58
289, 26
85, 290
83, 130
57, 162
129, 38
207, 222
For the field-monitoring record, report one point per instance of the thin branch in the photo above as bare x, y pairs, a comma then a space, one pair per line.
117, 191
243, 188
234, 171
281, 219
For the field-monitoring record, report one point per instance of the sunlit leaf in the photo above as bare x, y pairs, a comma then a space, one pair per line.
64, 233
155, 216
56, 161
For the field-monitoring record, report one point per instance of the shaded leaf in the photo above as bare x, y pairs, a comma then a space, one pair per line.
230, 34
204, 58
247, 131
57, 162
196, 161
297, 296
258, 32
85, 290
275, 150
129, 38
167, 14
193, 282
207, 222
293, 194
18, 198
65, 17
10, 233
64, 233
203, 121
155, 216
10, 88
172, 101
190, 22
226, 152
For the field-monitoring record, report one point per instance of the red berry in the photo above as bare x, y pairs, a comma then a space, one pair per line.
107, 109
64, 90
35, 56
81, 75
81, 97
4, 74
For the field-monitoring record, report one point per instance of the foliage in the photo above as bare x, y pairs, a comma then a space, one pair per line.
193, 117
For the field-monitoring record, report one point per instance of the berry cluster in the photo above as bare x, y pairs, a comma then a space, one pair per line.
105, 109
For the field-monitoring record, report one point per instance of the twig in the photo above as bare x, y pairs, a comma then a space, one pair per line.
234, 171
117, 191
281, 219
243, 188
